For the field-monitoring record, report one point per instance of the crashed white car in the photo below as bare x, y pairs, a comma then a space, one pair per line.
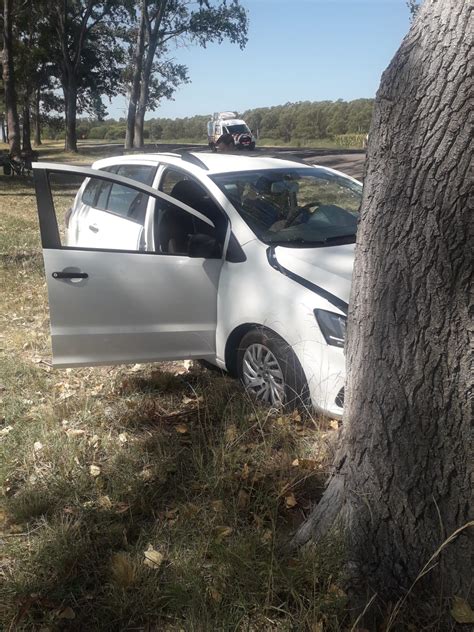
244, 262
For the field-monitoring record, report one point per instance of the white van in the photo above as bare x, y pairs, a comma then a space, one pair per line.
228, 123
243, 262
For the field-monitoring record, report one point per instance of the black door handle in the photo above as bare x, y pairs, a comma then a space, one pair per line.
70, 275
93, 228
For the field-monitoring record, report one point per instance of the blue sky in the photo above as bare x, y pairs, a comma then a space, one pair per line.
297, 50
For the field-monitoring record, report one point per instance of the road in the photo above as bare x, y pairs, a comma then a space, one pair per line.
347, 161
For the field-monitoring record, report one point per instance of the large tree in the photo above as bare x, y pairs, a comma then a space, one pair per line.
11, 110
159, 23
401, 484
89, 53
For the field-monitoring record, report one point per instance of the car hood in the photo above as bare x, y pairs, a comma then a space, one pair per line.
330, 268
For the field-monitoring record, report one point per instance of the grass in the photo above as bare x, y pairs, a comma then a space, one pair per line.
147, 497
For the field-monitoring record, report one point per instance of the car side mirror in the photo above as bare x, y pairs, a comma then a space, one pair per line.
204, 246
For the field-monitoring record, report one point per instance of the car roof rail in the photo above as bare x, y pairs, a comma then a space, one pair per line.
184, 154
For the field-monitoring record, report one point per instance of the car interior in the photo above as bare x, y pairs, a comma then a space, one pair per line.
180, 233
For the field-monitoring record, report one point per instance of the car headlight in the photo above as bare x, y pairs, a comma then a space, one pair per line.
333, 327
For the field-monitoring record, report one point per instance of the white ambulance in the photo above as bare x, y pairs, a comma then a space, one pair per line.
227, 123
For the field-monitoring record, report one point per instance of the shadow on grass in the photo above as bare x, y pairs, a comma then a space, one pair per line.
184, 466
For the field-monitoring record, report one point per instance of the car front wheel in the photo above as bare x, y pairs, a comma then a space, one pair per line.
270, 370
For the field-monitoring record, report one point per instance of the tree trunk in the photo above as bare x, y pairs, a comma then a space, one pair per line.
3, 132
70, 101
153, 37
402, 477
26, 136
139, 139
37, 118
137, 76
13, 122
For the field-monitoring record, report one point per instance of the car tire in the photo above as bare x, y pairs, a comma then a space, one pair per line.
270, 363
252, 146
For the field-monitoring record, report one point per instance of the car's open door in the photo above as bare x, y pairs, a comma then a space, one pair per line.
119, 306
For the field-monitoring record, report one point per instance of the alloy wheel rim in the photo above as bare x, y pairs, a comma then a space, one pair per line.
262, 375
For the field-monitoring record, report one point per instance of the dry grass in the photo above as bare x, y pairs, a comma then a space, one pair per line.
99, 466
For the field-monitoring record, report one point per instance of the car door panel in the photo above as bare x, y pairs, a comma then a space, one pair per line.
111, 306
132, 307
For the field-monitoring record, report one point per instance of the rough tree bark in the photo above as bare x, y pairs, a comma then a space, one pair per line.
153, 25
137, 74
26, 128
13, 123
37, 117
402, 477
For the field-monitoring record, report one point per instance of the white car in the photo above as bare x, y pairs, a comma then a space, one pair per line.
244, 262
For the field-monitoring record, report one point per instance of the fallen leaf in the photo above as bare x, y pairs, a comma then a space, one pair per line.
290, 501
170, 514
123, 569
336, 590
75, 432
231, 433
94, 441
94, 470
217, 506
267, 536
104, 502
334, 424
147, 473
295, 463
38, 446
67, 613
182, 429
223, 532
153, 558
121, 508
308, 464
123, 438
5, 431
461, 611
215, 594
242, 499
245, 472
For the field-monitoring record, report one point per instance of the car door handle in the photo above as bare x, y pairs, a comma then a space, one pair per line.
94, 228
70, 275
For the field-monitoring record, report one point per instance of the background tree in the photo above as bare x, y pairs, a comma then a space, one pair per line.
163, 21
89, 54
11, 111
402, 475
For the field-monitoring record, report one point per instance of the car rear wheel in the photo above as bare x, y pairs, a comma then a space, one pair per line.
270, 370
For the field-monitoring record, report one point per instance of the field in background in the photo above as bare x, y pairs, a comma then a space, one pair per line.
147, 497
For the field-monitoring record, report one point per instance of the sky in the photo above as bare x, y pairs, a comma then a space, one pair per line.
297, 50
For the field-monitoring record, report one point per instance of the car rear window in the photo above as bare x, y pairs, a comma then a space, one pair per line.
118, 199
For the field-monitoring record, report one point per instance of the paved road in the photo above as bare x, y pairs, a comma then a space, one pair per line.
347, 161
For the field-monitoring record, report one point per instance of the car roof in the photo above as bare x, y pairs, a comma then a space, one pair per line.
212, 163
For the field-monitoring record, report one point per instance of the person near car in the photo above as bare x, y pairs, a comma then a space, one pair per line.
225, 143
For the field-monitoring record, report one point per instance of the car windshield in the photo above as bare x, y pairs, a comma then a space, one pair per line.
300, 207
237, 129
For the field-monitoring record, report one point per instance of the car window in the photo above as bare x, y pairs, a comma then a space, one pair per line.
170, 178
296, 207
96, 191
174, 229
119, 199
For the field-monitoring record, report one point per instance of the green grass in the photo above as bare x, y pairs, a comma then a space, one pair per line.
97, 465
